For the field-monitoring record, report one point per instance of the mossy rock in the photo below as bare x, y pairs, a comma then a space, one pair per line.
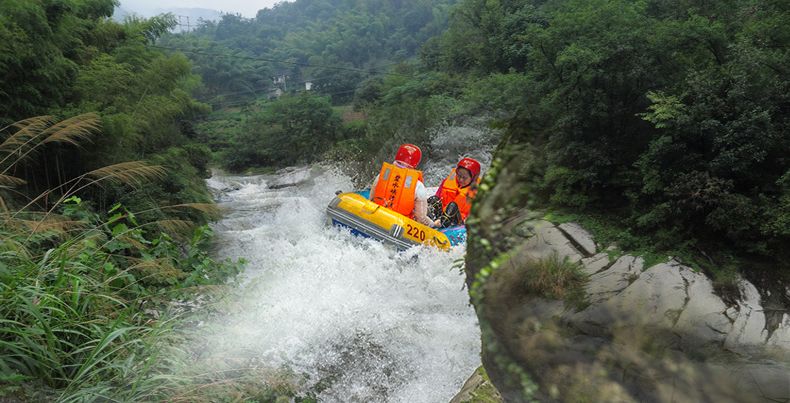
478, 389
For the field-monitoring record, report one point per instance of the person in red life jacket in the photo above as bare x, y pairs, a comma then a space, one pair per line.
399, 186
453, 200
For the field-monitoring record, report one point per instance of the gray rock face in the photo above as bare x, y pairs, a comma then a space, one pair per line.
703, 316
749, 321
580, 236
594, 264
781, 338
547, 241
658, 333
607, 283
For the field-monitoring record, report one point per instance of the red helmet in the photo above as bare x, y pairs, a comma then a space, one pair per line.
470, 164
409, 154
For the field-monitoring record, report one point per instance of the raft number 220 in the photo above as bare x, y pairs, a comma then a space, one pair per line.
415, 232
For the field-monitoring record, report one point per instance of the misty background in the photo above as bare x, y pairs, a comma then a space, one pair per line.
194, 9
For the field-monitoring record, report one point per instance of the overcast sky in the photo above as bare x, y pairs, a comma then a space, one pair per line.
247, 8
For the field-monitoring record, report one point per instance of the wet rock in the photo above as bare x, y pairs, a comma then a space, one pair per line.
769, 381
622, 295
290, 177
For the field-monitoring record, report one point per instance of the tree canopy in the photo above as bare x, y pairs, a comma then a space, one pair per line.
672, 113
334, 44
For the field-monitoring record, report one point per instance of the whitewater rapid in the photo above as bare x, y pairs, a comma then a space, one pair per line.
351, 319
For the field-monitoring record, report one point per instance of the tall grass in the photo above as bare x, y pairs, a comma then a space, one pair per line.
84, 296
558, 278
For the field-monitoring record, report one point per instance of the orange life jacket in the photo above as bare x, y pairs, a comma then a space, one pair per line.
450, 192
396, 187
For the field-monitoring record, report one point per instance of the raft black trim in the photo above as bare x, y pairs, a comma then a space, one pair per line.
350, 220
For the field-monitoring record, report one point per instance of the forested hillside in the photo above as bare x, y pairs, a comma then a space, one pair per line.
65, 59
334, 44
337, 48
670, 115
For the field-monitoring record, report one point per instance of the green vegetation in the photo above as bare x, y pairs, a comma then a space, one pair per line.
288, 131
102, 203
662, 124
557, 278
484, 392
81, 292
666, 117
81, 315
66, 58
350, 51
334, 44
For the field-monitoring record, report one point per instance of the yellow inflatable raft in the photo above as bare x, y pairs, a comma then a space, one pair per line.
368, 219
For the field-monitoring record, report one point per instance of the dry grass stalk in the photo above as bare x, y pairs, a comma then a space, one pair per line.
28, 129
10, 181
3, 207
53, 223
124, 237
73, 130
27, 139
132, 173
97, 237
208, 208
175, 226
157, 269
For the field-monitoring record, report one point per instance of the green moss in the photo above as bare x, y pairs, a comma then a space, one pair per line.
485, 392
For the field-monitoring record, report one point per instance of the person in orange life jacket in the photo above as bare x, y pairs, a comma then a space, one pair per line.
453, 200
399, 186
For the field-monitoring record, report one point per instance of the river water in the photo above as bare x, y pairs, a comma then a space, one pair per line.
350, 318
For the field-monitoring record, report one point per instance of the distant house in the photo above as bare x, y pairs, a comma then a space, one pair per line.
308, 85
275, 93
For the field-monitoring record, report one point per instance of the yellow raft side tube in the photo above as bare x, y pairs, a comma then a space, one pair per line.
369, 219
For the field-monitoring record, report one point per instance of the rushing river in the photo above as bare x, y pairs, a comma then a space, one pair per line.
351, 318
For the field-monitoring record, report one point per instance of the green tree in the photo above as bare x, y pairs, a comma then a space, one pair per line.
293, 129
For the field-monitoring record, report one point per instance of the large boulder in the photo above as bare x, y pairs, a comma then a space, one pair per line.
562, 322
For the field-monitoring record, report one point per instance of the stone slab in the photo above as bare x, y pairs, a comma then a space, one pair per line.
549, 241
704, 317
605, 284
594, 264
580, 236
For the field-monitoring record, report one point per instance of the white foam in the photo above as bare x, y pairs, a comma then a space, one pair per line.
362, 321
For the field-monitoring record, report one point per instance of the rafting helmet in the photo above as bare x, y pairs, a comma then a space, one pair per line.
471, 165
409, 154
